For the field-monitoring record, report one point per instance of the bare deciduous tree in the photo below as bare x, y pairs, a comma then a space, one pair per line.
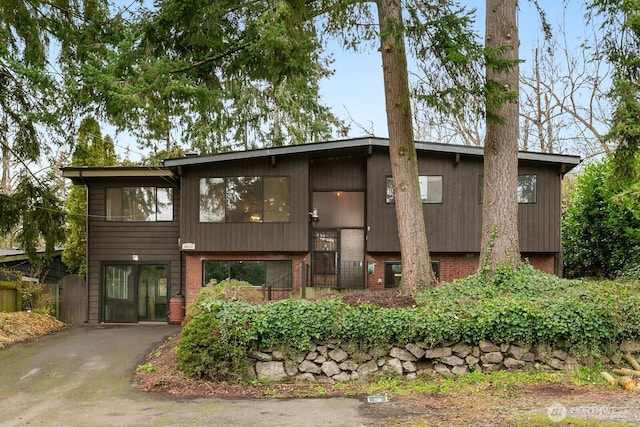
564, 105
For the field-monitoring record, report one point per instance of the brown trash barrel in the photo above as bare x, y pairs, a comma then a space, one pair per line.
176, 310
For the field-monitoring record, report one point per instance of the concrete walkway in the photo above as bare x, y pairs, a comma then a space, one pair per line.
83, 376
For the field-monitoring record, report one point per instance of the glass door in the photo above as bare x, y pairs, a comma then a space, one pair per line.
133, 293
119, 296
152, 293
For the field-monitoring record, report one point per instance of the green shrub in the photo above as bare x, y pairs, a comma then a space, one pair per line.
521, 305
601, 224
35, 298
215, 341
227, 290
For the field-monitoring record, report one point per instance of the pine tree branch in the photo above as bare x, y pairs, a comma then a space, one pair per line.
210, 59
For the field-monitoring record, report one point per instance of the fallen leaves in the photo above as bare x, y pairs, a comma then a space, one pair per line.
23, 326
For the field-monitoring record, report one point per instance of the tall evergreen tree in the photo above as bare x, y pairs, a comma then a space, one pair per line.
500, 244
30, 105
224, 74
92, 149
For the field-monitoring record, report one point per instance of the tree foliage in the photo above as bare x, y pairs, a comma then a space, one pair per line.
34, 210
36, 36
601, 224
224, 74
621, 28
92, 149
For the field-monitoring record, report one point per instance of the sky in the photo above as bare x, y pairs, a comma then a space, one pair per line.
356, 94
356, 89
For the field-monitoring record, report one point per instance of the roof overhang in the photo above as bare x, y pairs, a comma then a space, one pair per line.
567, 162
80, 173
10, 255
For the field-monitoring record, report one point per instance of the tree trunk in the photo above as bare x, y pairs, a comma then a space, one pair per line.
5, 182
500, 201
416, 262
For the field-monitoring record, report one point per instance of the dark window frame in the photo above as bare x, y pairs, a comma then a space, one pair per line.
520, 200
261, 217
110, 216
389, 270
390, 197
286, 282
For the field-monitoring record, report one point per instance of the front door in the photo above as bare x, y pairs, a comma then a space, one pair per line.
133, 293
325, 265
338, 239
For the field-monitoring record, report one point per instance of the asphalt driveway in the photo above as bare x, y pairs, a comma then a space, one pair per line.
82, 376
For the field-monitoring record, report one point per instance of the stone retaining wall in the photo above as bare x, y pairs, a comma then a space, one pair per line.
330, 362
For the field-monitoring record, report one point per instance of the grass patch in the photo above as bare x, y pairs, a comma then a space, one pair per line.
543, 420
501, 382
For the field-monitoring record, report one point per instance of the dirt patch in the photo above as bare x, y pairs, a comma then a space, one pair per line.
388, 299
23, 326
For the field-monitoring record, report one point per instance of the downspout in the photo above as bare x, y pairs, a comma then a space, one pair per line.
181, 257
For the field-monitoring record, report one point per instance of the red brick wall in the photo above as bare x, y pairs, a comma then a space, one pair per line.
456, 266
542, 262
194, 277
453, 266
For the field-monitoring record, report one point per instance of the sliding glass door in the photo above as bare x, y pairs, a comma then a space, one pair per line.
133, 293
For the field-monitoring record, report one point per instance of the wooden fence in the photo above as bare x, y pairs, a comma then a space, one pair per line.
70, 298
10, 298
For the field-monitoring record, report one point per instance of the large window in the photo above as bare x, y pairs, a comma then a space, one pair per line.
245, 199
139, 204
276, 274
430, 189
527, 192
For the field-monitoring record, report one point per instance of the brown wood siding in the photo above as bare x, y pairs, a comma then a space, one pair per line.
539, 223
116, 242
452, 226
455, 224
248, 237
345, 174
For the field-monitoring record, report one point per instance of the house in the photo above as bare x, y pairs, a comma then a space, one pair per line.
293, 220
14, 261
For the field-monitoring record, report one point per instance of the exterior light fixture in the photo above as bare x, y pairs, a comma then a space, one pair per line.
313, 215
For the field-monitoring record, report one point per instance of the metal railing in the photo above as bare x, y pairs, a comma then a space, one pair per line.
281, 287
349, 275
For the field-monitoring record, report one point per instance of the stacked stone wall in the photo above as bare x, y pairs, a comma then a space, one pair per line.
331, 361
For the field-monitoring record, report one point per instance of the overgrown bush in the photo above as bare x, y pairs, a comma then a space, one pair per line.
226, 290
35, 298
522, 305
601, 224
